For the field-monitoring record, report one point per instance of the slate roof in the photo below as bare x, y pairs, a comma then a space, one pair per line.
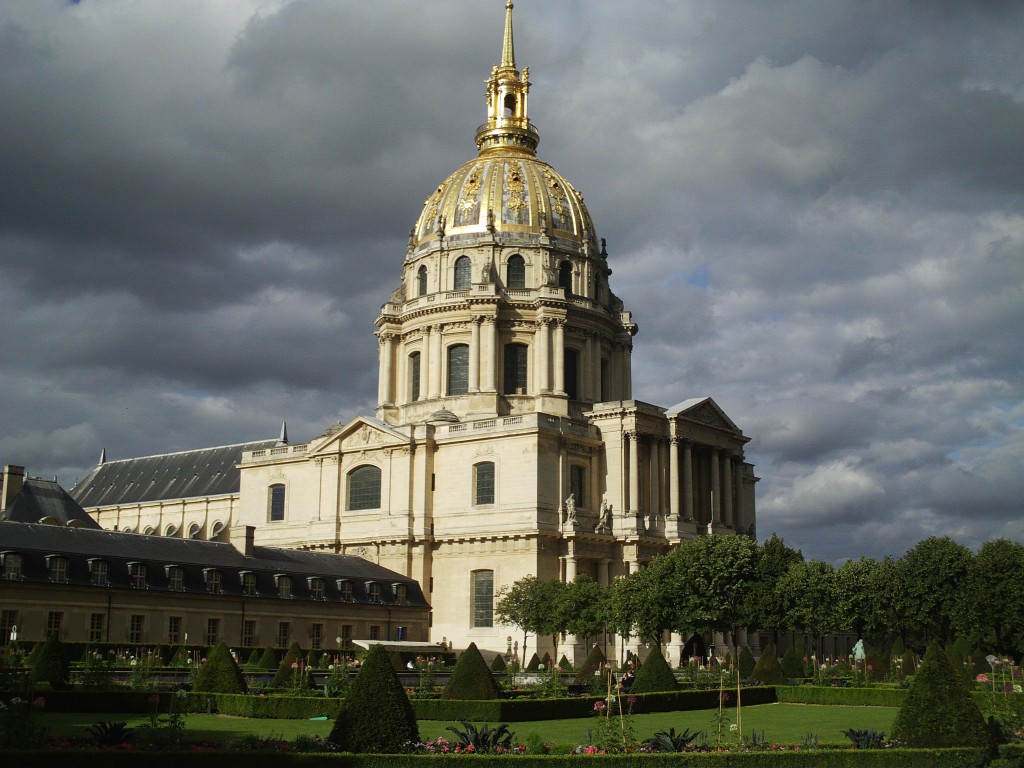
183, 475
35, 542
45, 500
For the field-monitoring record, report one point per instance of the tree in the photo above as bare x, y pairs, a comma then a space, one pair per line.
934, 571
51, 665
889, 608
992, 610
523, 605
808, 592
642, 603
762, 607
853, 595
587, 607
376, 715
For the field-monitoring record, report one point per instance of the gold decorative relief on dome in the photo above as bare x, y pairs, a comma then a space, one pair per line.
432, 204
559, 201
467, 211
515, 198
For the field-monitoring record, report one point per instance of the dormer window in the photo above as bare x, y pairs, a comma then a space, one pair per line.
284, 585
316, 587
99, 572
137, 575
58, 568
12, 565
345, 591
400, 593
248, 583
212, 578
373, 591
175, 578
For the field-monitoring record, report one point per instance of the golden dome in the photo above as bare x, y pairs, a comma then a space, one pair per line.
506, 188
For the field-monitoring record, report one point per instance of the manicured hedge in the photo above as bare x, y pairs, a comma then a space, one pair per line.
822, 758
867, 697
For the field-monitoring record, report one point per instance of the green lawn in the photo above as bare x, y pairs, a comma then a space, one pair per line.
786, 723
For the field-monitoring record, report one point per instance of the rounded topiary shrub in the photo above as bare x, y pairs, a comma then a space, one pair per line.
471, 680
499, 665
792, 663
220, 673
746, 663
768, 670
269, 659
939, 710
375, 715
51, 664
654, 675
590, 666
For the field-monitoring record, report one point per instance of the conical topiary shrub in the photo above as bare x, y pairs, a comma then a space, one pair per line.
564, 665
654, 675
220, 673
471, 680
534, 665
746, 663
545, 662
292, 666
590, 667
499, 665
51, 664
269, 659
254, 659
938, 710
768, 670
792, 664
375, 715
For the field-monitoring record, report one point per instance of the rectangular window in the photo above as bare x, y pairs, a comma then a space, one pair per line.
212, 581
276, 503
58, 569
414, 376
174, 629
578, 484
401, 594
483, 483
458, 369
212, 631
346, 635
8, 621
137, 575
373, 591
249, 584
316, 636
136, 622
12, 566
284, 586
375, 632
53, 621
99, 572
345, 590
176, 578
248, 633
400, 634
97, 622
482, 597
515, 367
284, 633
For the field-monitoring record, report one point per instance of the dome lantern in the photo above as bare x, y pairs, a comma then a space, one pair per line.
508, 125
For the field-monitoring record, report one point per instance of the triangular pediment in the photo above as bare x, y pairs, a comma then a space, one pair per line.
704, 410
361, 434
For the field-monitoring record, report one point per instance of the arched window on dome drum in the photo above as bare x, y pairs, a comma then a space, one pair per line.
458, 369
421, 282
515, 272
516, 369
463, 273
565, 276
364, 488
414, 376
571, 374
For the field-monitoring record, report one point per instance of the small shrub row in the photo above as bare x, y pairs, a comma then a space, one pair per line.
865, 697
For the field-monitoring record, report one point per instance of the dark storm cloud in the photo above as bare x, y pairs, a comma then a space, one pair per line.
813, 210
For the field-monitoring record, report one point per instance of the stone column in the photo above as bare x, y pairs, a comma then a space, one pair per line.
727, 514
436, 363
543, 356
634, 472
688, 479
474, 354
570, 569
426, 361
604, 572
387, 353
490, 354
655, 477
627, 371
558, 357
716, 488
673, 477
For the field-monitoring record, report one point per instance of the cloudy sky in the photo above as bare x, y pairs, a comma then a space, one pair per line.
814, 210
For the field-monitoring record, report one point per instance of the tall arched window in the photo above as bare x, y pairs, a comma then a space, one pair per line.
463, 273
516, 369
421, 281
414, 376
565, 276
276, 503
515, 272
458, 369
571, 374
481, 590
364, 488
483, 482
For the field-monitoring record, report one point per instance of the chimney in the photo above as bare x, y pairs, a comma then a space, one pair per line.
250, 540
10, 486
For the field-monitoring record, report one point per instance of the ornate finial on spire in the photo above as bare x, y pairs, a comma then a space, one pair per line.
508, 52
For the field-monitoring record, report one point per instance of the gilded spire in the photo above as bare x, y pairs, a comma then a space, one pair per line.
508, 51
